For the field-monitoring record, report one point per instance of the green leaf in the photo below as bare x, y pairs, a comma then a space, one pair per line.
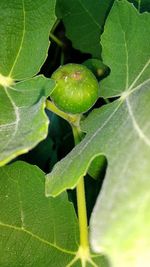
120, 131
23, 122
35, 230
120, 221
126, 50
24, 36
84, 22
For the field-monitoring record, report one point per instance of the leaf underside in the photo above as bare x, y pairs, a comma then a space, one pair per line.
23, 122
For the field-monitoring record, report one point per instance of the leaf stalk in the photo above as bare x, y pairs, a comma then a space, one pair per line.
81, 200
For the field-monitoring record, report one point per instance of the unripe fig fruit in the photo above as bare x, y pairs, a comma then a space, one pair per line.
76, 88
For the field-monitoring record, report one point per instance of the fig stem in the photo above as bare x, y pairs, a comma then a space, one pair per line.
72, 119
56, 40
81, 200
55, 25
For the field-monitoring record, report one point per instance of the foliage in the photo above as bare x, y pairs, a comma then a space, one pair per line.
40, 221
84, 22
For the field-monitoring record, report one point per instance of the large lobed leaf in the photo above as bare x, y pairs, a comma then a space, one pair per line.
121, 131
84, 20
23, 122
24, 39
126, 49
24, 36
34, 230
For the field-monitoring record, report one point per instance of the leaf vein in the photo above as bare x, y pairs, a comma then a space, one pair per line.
139, 75
136, 125
17, 118
34, 236
22, 39
127, 61
99, 129
92, 17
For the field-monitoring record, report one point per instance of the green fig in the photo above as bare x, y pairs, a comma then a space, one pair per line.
76, 88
